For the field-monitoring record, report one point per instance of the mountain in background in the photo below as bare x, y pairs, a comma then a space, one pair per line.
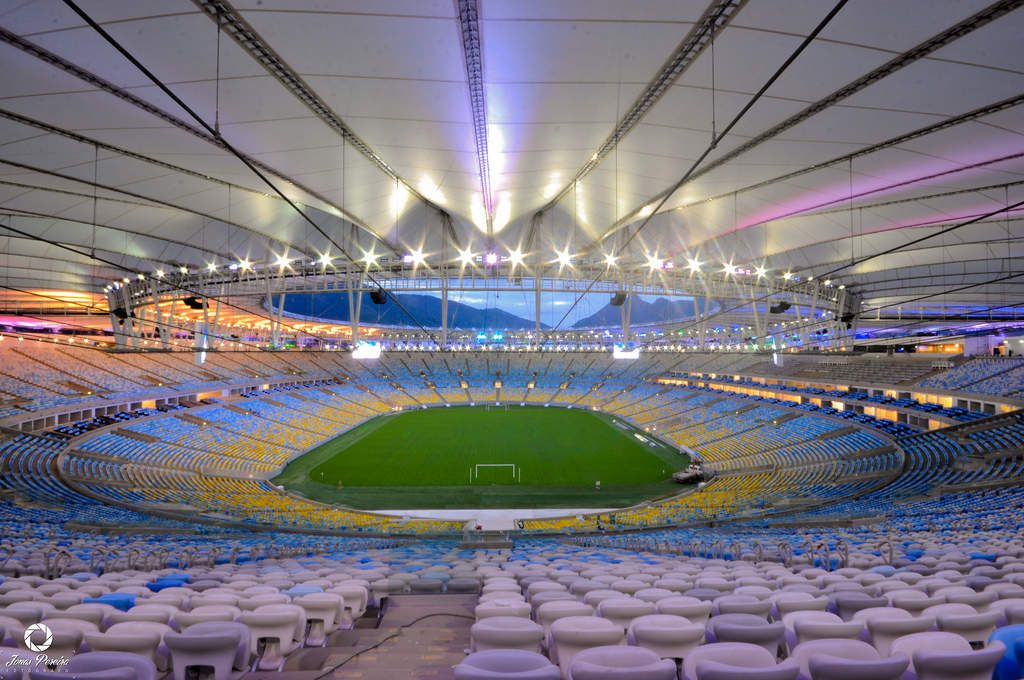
426, 309
642, 312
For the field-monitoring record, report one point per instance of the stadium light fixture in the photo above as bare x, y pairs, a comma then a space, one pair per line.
418, 257
126, 280
369, 258
282, 261
788, 276
159, 273
563, 258
183, 269
244, 264
761, 272
466, 257
515, 257
211, 267
326, 260
654, 262
140, 276
623, 351
366, 350
610, 259
693, 264
728, 268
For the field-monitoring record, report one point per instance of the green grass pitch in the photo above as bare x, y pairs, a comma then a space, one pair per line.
426, 458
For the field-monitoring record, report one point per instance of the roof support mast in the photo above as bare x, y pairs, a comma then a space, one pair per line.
469, 27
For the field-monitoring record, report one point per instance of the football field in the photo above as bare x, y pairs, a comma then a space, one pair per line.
487, 457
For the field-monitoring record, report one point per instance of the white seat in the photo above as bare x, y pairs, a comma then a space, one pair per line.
802, 626
502, 607
162, 656
623, 610
506, 632
322, 612
964, 620
549, 612
299, 633
637, 663
697, 611
947, 656
357, 597
141, 642
276, 630
669, 636
885, 624
568, 636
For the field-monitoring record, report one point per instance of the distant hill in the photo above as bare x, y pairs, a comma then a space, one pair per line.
641, 312
425, 308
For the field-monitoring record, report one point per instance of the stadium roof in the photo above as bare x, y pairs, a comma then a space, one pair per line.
884, 152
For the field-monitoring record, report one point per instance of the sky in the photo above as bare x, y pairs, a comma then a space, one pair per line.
553, 305
557, 310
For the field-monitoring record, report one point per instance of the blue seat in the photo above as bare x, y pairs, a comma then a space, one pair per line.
1009, 667
158, 585
299, 590
121, 601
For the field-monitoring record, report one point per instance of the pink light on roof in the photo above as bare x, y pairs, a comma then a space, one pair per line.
24, 322
864, 186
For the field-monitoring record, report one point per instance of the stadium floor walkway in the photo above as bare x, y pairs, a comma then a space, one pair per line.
435, 640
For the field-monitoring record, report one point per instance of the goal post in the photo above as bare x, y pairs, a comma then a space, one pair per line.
495, 473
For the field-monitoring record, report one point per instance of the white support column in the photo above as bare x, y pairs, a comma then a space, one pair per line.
139, 322
130, 327
812, 316
169, 321
703, 327
355, 302
116, 325
696, 310
277, 319
537, 277
760, 327
161, 324
202, 332
216, 315
800, 328
444, 309
270, 309
627, 313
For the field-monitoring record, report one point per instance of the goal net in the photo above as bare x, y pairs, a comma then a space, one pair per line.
494, 473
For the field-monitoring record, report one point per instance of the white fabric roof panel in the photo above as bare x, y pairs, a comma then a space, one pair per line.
558, 77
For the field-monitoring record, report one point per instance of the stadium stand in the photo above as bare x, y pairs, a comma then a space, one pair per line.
798, 497
991, 375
